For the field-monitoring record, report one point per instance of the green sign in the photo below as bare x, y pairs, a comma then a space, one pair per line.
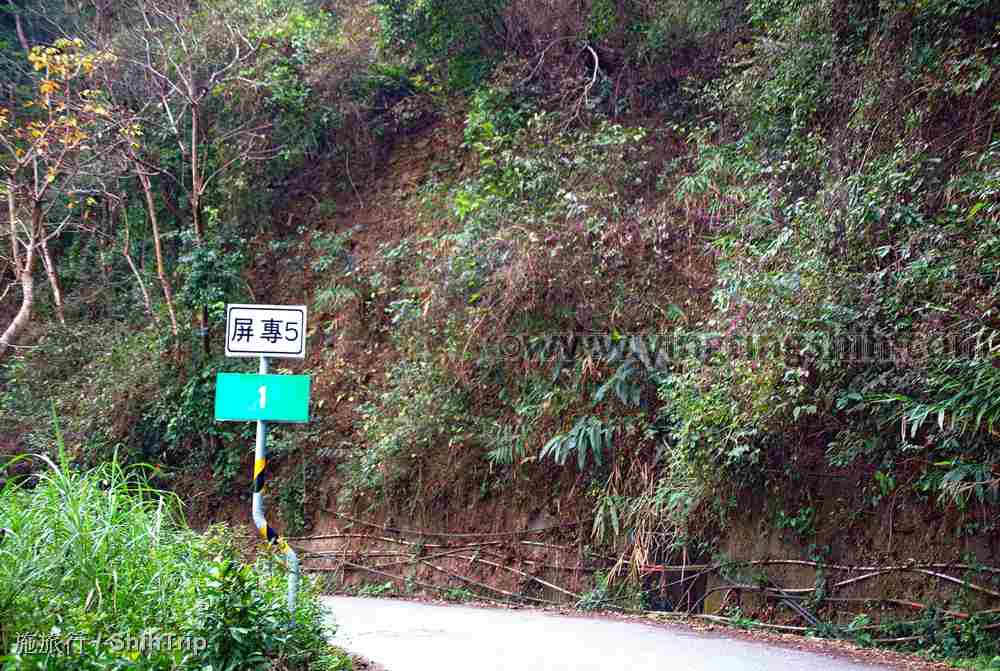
271, 398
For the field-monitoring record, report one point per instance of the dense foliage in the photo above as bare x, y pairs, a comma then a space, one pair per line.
102, 567
681, 260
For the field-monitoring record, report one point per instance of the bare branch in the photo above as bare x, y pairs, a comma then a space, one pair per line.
18, 27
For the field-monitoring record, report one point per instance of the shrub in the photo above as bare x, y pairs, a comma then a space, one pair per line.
423, 409
99, 555
455, 34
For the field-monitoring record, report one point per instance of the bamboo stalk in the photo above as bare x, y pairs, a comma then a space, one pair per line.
523, 574
762, 625
516, 597
802, 562
442, 534
555, 567
957, 581
414, 559
352, 553
384, 539
359, 567
911, 639
875, 572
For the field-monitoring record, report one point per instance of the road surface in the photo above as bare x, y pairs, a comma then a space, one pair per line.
409, 636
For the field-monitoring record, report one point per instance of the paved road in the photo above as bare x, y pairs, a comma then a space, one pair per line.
408, 636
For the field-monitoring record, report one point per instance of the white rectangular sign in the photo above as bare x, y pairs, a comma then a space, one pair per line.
266, 330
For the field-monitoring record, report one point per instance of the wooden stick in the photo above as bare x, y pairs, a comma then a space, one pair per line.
803, 562
523, 574
487, 587
957, 581
555, 567
493, 534
385, 539
762, 625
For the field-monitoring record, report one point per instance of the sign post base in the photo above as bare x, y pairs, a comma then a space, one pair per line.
257, 507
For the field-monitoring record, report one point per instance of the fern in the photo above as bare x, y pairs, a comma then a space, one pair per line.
588, 436
964, 480
507, 446
627, 391
965, 399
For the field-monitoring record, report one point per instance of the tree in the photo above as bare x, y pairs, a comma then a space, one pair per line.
47, 150
196, 63
131, 152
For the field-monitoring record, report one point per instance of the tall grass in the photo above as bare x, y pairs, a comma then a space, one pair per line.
100, 555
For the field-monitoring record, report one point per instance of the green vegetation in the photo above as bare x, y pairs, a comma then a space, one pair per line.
101, 557
692, 267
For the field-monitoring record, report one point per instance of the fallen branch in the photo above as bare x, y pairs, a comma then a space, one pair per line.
565, 548
585, 96
554, 567
802, 562
359, 567
905, 604
426, 585
441, 534
487, 587
352, 553
396, 578
523, 574
762, 625
413, 559
384, 539
957, 581
874, 572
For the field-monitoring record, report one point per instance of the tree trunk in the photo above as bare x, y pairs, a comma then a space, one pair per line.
195, 177
196, 188
23, 316
50, 271
168, 292
25, 272
127, 253
19, 27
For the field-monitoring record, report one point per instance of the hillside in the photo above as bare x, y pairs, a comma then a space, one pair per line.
602, 295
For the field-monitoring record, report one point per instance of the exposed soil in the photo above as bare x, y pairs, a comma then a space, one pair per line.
350, 355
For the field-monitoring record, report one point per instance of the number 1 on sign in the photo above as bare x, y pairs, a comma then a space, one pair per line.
263, 397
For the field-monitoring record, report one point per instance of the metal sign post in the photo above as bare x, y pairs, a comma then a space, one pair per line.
265, 331
257, 506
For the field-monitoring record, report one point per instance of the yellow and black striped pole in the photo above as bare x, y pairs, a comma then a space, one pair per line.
266, 531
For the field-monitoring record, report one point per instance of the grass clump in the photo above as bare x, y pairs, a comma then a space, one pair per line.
96, 564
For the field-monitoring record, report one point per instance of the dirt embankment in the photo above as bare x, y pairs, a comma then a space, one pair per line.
530, 541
